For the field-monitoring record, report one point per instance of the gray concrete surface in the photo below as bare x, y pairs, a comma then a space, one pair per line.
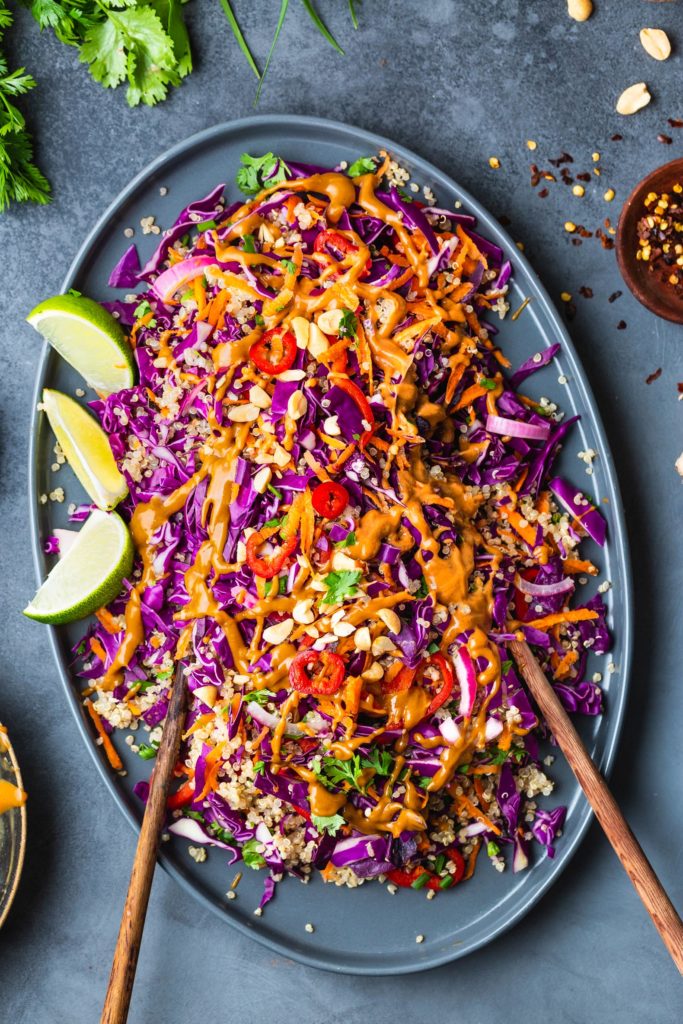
458, 82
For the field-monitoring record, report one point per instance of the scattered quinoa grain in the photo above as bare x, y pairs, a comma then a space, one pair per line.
578, 190
309, 928
609, 195
128, 232
494, 163
530, 144
569, 226
419, 938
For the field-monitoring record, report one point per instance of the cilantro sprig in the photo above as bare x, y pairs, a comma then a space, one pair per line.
364, 165
258, 172
20, 178
330, 824
141, 42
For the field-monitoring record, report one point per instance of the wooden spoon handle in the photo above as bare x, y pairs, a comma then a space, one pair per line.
122, 976
626, 846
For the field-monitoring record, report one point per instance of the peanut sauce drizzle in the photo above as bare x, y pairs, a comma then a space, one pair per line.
449, 576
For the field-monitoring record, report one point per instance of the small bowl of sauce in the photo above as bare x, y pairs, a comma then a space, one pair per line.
649, 243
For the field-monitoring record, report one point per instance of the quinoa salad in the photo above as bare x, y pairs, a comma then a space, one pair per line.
343, 509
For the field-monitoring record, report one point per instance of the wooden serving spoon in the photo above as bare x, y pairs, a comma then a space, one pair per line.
123, 968
626, 846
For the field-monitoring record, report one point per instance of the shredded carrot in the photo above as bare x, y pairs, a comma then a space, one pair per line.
484, 769
472, 860
213, 767
97, 648
479, 789
526, 532
575, 615
565, 664
578, 565
198, 723
106, 619
463, 801
112, 756
473, 392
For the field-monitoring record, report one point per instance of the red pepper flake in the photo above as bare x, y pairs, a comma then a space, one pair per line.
583, 177
675, 122
655, 375
566, 176
614, 296
617, 137
621, 326
665, 139
576, 241
605, 241
586, 291
680, 387
564, 158
542, 193
570, 310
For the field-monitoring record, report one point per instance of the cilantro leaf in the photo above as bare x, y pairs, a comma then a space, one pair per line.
380, 760
423, 589
364, 165
258, 172
330, 824
250, 854
289, 265
341, 772
143, 308
487, 383
348, 325
258, 697
341, 585
507, 665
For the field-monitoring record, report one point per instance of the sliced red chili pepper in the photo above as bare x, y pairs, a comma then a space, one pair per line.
274, 352
447, 680
459, 862
181, 797
523, 609
335, 240
405, 878
354, 392
402, 681
317, 672
269, 565
330, 499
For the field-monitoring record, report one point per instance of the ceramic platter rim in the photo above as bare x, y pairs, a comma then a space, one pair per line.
341, 942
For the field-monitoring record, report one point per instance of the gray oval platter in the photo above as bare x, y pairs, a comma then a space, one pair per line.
362, 930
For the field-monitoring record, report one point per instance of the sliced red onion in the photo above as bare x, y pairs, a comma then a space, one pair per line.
271, 721
450, 730
169, 281
493, 728
444, 254
516, 428
475, 829
544, 589
467, 677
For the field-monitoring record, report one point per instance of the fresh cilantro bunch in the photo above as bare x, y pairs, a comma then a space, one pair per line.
141, 42
20, 179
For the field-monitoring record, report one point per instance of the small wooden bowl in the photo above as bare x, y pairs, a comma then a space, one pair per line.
648, 286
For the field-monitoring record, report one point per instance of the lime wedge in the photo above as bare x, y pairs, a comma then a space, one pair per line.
89, 338
87, 449
89, 575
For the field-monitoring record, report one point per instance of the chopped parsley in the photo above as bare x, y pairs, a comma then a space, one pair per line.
341, 585
330, 824
340, 772
507, 665
258, 172
141, 309
348, 325
423, 781
487, 383
380, 760
364, 165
